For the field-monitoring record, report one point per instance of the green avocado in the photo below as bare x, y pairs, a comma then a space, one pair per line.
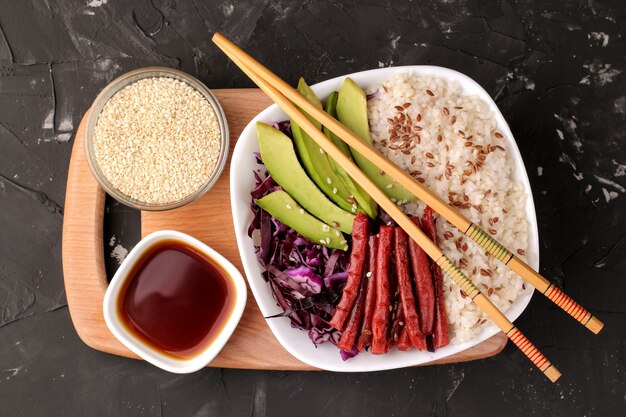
282, 163
331, 109
363, 199
280, 205
316, 162
352, 112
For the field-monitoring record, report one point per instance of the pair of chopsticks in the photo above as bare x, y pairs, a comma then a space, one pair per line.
288, 98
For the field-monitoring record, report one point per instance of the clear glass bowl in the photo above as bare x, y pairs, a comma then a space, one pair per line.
117, 85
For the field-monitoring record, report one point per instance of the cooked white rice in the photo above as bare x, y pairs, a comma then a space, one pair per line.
441, 159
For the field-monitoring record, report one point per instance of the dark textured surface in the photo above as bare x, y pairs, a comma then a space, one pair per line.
554, 68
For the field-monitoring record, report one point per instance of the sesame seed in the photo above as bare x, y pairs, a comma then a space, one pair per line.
328, 240
345, 247
157, 140
343, 242
369, 274
329, 181
334, 190
337, 233
322, 151
389, 186
288, 206
325, 228
301, 211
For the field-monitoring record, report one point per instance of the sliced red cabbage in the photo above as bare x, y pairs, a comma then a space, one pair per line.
374, 94
284, 126
321, 331
336, 281
309, 282
306, 278
347, 354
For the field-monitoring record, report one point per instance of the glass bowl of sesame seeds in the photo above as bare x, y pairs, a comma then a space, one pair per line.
156, 139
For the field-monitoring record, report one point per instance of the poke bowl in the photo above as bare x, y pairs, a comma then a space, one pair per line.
494, 191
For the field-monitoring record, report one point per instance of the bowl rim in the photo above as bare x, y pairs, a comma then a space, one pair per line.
151, 355
120, 83
242, 215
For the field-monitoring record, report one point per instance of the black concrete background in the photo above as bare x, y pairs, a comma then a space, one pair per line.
556, 72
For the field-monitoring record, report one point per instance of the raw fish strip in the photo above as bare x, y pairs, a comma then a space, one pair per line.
365, 338
441, 319
360, 235
380, 321
411, 319
350, 333
424, 286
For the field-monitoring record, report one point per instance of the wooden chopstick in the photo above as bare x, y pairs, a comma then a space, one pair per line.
428, 197
465, 284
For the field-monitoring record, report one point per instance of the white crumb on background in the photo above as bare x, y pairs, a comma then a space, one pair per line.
227, 9
609, 195
620, 171
48, 122
539, 171
394, 42
611, 183
600, 36
599, 73
119, 253
66, 124
97, 3
560, 133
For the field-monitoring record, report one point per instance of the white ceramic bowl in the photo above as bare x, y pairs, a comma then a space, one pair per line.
297, 342
169, 363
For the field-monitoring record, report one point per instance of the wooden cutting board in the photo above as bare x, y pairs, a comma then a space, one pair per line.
209, 219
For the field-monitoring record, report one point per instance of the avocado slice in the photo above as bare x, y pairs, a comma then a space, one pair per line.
315, 160
282, 163
352, 112
280, 205
331, 109
363, 199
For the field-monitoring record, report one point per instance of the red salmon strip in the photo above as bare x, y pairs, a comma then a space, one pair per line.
441, 336
365, 338
360, 236
350, 333
412, 320
404, 342
424, 286
397, 317
398, 327
381, 318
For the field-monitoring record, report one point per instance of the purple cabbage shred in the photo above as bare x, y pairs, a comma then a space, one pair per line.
374, 94
347, 354
284, 126
306, 278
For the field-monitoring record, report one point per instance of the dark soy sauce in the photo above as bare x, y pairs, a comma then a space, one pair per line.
176, 299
